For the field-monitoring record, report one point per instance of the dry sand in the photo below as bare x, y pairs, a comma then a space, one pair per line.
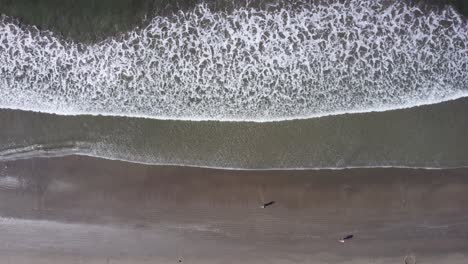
87, 210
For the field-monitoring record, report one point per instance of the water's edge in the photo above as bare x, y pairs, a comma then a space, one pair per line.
432, 136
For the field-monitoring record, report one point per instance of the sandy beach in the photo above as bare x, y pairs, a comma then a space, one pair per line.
87, 210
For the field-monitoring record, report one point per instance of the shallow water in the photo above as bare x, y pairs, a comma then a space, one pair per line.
430, 136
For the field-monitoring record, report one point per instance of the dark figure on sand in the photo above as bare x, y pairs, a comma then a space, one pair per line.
346, 238
268, 204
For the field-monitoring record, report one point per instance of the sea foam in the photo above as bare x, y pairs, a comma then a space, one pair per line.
250, 64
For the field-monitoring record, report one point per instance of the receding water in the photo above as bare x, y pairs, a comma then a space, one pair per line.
432, 136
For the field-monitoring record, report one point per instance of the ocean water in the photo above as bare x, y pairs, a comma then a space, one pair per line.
432, 136
307, 85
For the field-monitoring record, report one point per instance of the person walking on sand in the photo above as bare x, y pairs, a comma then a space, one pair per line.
346, 238
265, 205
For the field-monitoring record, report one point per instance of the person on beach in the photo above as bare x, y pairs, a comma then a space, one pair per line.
346, 238
267, 204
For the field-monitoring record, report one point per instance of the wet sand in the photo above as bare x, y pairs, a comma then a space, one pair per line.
86, 210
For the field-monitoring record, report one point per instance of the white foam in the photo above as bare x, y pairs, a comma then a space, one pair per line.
9, 182
44, 150
248, 65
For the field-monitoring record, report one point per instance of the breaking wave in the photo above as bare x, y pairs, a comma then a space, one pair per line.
250, 64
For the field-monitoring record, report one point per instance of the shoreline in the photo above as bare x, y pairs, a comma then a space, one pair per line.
348, 187
426, 136
273, 169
